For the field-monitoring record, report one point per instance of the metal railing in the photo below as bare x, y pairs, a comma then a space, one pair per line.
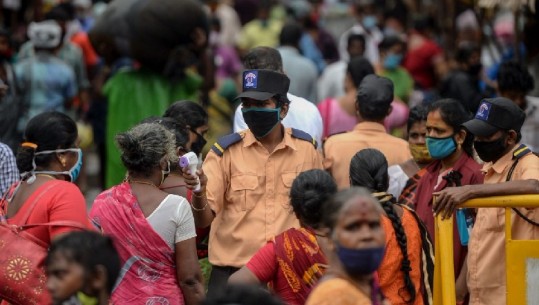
517, 253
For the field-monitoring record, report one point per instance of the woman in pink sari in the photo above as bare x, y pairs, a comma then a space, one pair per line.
154, 232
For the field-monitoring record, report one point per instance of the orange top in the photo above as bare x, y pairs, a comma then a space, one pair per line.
389, 273
248, 190
486, 249
59, 201
337, 291
90, 56
339, 149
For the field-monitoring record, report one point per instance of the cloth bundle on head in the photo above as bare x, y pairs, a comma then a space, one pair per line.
111, 28
85, 4
163, 33
45, 35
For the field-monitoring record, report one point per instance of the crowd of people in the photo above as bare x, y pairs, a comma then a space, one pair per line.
261, 144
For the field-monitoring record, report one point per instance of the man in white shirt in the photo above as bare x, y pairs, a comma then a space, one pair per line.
331, 82
302, 114
367, 25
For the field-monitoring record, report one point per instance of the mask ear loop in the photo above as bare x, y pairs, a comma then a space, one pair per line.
31, 175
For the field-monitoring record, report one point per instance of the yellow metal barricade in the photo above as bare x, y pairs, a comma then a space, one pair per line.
521, 256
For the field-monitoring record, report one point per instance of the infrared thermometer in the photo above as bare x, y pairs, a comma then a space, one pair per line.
190, 160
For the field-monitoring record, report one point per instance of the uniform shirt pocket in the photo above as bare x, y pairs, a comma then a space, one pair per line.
287, 179
495, 220
242, 193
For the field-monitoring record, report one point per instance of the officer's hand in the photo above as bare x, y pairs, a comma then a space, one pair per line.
449, 199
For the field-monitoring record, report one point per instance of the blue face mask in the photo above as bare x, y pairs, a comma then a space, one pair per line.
369, 21
440, 148
392, 61
360, 261
74, 172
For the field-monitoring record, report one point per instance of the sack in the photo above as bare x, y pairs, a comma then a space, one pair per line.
111, 29
22, 258
161, 33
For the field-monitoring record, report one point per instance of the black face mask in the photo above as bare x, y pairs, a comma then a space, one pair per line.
199, 143
261, 121
491, 151
475, 69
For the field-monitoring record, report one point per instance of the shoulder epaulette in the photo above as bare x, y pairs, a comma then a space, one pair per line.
302, 135
521, 151
334, 134
225, 142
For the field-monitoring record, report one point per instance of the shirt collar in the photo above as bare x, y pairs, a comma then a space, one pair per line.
500, 165
370, 126
288, 49
250, 139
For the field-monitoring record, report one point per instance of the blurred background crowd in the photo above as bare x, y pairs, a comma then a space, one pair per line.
110, 64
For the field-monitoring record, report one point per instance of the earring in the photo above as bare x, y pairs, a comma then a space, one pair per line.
63, 162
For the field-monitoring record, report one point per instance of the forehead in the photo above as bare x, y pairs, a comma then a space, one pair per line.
59, 261
420, 126
359, 207
397, 48
493, 136
434, 119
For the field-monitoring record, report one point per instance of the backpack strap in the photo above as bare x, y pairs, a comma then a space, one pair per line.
520, 152
302, 135
225, 142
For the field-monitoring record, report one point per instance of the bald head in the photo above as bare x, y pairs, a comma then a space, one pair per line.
263, 58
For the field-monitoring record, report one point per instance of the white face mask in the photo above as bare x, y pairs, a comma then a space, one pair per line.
72, 173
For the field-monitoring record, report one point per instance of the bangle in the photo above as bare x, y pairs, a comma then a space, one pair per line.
199, 210
199, 195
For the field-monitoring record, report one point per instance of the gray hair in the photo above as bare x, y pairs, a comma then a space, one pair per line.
144, 146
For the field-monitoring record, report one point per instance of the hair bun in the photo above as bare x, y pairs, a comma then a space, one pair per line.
130, 147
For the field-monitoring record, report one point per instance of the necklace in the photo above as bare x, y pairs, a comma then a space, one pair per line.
46, 175
142, 182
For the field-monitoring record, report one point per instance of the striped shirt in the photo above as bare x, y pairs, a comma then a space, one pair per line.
8, 168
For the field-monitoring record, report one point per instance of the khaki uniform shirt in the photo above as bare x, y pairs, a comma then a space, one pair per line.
248, 190
486, 249
339, 149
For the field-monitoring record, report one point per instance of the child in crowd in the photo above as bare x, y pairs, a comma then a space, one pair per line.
82, 268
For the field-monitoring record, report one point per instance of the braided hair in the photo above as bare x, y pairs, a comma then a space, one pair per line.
368, 168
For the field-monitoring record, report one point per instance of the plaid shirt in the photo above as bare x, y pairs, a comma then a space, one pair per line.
8, 169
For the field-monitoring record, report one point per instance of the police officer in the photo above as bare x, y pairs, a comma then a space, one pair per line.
246, 177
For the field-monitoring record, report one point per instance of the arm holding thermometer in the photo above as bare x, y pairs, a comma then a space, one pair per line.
190, 160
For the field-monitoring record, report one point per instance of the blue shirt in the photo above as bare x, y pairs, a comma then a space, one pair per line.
47, 82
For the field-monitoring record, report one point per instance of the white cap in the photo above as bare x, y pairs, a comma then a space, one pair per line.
46, 34
86, 4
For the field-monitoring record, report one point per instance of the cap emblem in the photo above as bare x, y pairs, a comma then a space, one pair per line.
250, 80
483, 111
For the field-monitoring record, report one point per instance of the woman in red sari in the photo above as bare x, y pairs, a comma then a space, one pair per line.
293, 262
154, 231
